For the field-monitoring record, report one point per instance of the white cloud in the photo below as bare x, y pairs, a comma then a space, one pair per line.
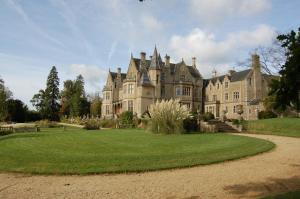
220, 54
216, 11
93, 75
151, 23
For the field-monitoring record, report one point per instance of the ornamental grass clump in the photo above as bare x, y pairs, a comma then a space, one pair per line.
167, 117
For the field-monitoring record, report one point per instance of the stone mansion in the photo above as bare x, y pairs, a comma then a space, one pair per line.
149, 80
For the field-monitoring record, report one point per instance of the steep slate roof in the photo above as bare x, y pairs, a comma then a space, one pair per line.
194, 72
137, 62
236, 76
145, 80
114, 75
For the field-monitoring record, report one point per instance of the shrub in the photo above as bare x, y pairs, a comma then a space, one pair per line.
126, 119
207, 116
266, 115
92, 124
190, 124
106, 123
167, 117
46, 124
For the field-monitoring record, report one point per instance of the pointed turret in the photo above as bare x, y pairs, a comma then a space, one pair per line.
156, 61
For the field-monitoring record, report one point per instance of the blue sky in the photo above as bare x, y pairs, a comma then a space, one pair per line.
89, 37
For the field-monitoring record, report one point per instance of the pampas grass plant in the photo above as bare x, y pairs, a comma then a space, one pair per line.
167, 117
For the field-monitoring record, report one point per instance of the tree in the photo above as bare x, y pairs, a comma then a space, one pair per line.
66, 97
73, 99
96, 103
52, 95
5, 95
271, 58
79, 103
17, 110
38, 101
287, 88
46, 101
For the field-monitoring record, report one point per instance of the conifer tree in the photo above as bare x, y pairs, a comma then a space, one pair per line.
52, 96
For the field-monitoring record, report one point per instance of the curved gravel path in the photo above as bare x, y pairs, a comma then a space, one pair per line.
268, 173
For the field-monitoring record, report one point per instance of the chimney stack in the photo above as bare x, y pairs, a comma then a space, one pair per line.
143, 56
194, 62
255, 61
119, 70
167, 60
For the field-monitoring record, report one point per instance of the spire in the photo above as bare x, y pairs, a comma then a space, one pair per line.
155, 60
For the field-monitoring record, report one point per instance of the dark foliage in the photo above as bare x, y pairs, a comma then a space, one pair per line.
207, 116
17, 111
266, 115
287, 89
190, 124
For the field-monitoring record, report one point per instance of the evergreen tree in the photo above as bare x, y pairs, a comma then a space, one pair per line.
287, 89
51, 96
66, 97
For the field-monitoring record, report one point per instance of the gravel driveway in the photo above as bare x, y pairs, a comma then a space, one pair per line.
268, 173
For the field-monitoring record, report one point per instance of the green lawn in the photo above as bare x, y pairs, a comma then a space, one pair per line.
289, 195
79, 151
276, 126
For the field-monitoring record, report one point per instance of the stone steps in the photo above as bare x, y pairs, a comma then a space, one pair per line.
223, 127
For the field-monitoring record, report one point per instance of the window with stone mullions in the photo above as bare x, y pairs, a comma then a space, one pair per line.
186, 91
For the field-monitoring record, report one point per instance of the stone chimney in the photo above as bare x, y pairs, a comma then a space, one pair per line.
255, 62
143, 56
194, 62
167, 60
214, 73
119, 71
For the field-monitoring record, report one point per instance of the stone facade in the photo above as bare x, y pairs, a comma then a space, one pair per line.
151, 80
237, 93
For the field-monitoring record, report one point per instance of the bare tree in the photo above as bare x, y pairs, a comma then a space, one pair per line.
271, 58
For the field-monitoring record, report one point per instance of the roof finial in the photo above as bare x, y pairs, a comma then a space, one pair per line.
131, 56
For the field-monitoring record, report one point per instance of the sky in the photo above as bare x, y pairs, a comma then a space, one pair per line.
92, 36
